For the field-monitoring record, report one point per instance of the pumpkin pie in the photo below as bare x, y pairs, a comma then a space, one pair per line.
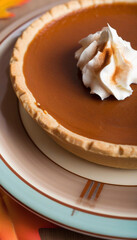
48, 83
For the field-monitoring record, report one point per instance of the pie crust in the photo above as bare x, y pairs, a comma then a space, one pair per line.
79, 145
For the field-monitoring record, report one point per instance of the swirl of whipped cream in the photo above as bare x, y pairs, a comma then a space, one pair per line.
108, 64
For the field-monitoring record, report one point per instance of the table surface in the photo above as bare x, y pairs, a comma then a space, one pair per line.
19, 12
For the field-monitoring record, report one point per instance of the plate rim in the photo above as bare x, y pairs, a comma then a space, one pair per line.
61, 202
12, 192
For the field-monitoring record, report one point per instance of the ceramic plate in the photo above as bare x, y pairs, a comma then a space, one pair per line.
55, 184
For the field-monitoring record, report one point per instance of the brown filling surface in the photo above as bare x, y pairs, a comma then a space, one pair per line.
54, 80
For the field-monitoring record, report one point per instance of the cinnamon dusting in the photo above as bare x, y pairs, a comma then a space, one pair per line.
120, 72
107, 55
117, 72
104, 59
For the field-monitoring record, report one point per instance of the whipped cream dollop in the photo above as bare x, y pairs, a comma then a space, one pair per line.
108, 64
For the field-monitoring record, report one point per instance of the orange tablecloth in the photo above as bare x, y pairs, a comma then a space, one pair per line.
17, 223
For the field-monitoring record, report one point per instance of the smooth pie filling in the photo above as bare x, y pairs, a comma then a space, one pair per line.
53, 78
